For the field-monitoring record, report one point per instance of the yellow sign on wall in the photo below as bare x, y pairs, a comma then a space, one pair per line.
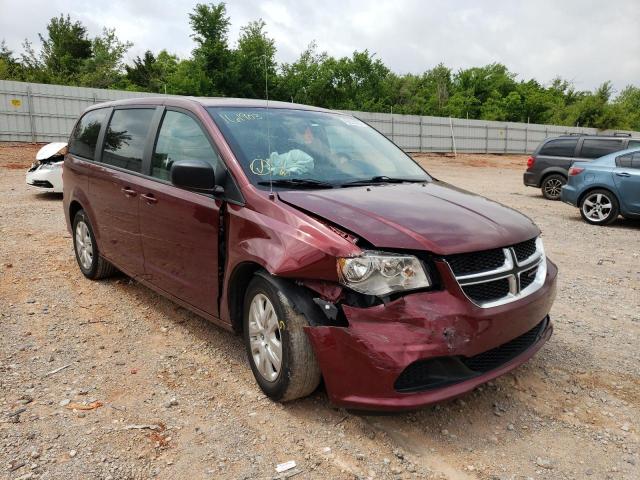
16, 102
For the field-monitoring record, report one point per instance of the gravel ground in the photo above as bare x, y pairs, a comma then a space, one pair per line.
108, 380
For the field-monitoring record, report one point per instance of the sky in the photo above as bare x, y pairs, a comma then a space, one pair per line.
585, 42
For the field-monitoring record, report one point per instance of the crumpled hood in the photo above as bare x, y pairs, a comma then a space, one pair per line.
49, 150
436, 217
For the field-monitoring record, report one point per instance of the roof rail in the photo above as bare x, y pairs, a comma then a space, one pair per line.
580, 134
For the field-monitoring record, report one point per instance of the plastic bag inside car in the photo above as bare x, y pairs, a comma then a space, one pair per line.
294, 162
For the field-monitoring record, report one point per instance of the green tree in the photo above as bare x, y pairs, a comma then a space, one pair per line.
359, 82
305, 80
629, 102
149, 73
210, 25
536, 102
9, 66
255, 53
403, 94
64, 50
589, 109
347, 83
189, 79
33, 70
437, 87
105, 67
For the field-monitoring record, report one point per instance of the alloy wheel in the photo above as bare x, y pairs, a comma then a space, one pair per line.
264, 337
597, 207
553, 187
84, 246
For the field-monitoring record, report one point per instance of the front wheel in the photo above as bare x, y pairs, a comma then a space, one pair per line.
280, 354
552, 186
599, 207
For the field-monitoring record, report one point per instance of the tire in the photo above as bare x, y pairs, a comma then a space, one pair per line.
299, 373
91, 263
599, 207
552, 185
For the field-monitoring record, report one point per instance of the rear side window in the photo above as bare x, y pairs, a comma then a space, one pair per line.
125, 138
561, 147
594, 148
633, 144
630, 160
180, 138
84, 137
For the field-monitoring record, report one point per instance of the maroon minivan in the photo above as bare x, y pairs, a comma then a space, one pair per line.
330, 250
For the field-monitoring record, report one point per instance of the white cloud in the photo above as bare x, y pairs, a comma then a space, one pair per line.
585, 41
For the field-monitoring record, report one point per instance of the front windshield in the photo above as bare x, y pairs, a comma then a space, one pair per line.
305, 146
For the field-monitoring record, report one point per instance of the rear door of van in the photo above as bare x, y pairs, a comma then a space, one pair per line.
591, 148
114, 186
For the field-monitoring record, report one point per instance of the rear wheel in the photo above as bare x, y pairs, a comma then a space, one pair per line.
280, 354
552, 186
91, 264
599, 207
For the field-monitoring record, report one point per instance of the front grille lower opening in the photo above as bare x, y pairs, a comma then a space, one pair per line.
439, 372
42, 183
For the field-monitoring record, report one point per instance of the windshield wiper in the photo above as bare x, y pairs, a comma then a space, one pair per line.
297, 183
382, 179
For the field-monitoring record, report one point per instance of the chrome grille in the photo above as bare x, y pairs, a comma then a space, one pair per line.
488, 291
527, 277
468, 263
494, 277
525, 249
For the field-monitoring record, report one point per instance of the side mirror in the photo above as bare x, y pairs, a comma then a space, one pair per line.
194, 175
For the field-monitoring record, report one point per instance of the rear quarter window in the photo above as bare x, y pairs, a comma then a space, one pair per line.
84, 137
561, 147
594, 148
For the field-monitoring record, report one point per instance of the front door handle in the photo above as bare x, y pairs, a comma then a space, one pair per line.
623, 174
128, 192
149, 198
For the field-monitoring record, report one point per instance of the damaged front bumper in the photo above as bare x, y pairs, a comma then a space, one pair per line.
428, 347
46, 176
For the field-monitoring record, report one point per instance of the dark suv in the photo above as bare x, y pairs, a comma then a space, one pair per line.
548, 166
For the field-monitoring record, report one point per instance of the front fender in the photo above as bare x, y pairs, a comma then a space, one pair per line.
282, 241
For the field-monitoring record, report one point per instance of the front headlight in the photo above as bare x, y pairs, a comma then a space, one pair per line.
379, 273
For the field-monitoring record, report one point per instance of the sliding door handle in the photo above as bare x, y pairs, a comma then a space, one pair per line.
149, 198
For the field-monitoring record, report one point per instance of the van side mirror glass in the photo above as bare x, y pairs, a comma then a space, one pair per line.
194, 175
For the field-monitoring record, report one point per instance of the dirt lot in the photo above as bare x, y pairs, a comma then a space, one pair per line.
174, 397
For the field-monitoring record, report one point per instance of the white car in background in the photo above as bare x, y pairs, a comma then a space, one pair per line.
46, 171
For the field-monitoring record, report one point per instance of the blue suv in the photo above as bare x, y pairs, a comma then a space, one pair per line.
606, 187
